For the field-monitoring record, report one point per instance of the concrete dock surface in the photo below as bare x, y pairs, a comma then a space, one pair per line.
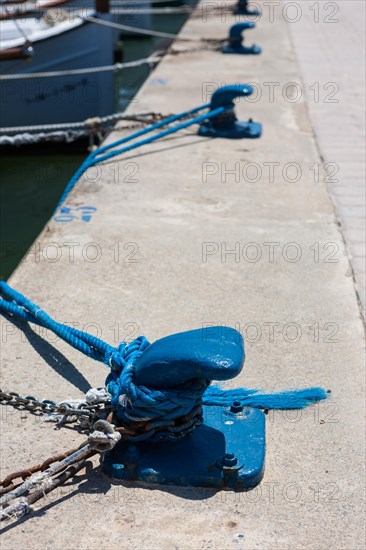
189, 232
331, 56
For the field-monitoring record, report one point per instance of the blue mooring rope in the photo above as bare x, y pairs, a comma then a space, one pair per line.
96, 156
137, 403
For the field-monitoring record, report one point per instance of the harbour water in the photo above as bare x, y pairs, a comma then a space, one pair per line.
32, 183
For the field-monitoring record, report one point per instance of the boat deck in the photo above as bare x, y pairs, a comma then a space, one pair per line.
140, 266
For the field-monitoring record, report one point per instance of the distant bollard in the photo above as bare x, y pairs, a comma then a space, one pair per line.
226, 125
241, 8
235, 40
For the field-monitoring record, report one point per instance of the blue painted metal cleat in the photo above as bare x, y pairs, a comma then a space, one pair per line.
213, 353
226, 449
226, 125
241, 8
236, 39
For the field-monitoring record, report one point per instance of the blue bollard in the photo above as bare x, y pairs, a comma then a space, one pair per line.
227, 449
235, 40
226, 124
241, 8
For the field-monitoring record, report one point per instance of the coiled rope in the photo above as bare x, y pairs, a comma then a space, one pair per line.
135, 404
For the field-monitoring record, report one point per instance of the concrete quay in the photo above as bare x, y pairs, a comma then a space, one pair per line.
188, 232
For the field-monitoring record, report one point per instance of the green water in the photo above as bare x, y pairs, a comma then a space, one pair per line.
31, 184
30, 187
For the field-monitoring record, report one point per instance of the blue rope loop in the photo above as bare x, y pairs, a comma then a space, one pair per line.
135, 404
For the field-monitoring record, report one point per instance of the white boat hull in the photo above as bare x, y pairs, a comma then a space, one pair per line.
60, 99
134, 17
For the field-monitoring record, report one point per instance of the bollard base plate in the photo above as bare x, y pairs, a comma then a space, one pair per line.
242, 50
237, 130
198, 459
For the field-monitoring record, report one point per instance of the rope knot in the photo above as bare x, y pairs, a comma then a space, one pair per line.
104, 437
119, 358
138, 404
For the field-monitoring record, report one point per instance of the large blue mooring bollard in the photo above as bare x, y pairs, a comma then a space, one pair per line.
226, 448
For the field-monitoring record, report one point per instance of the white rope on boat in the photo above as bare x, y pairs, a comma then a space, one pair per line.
153, 11
152, 61
139, 30
89, 122
67, 131
31, 139
137, 3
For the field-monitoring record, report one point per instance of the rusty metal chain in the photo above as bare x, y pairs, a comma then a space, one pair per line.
160, 429
8, 483
208, 44
137, 121
21, 489
24, 506
29, 485
84, 413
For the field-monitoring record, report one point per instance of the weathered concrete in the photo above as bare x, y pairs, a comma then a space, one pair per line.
331, 52
312, 493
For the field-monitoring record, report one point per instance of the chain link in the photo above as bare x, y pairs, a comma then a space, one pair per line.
9, 483
29, 485
107, 431
84, 413
208, 45
161, 430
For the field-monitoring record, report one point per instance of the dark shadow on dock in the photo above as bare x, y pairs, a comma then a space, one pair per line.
55, 359
94, 482
118, 493
71, 488
121, 493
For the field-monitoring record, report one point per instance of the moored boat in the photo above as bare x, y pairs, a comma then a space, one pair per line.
131, 13
11, 9
55, 43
